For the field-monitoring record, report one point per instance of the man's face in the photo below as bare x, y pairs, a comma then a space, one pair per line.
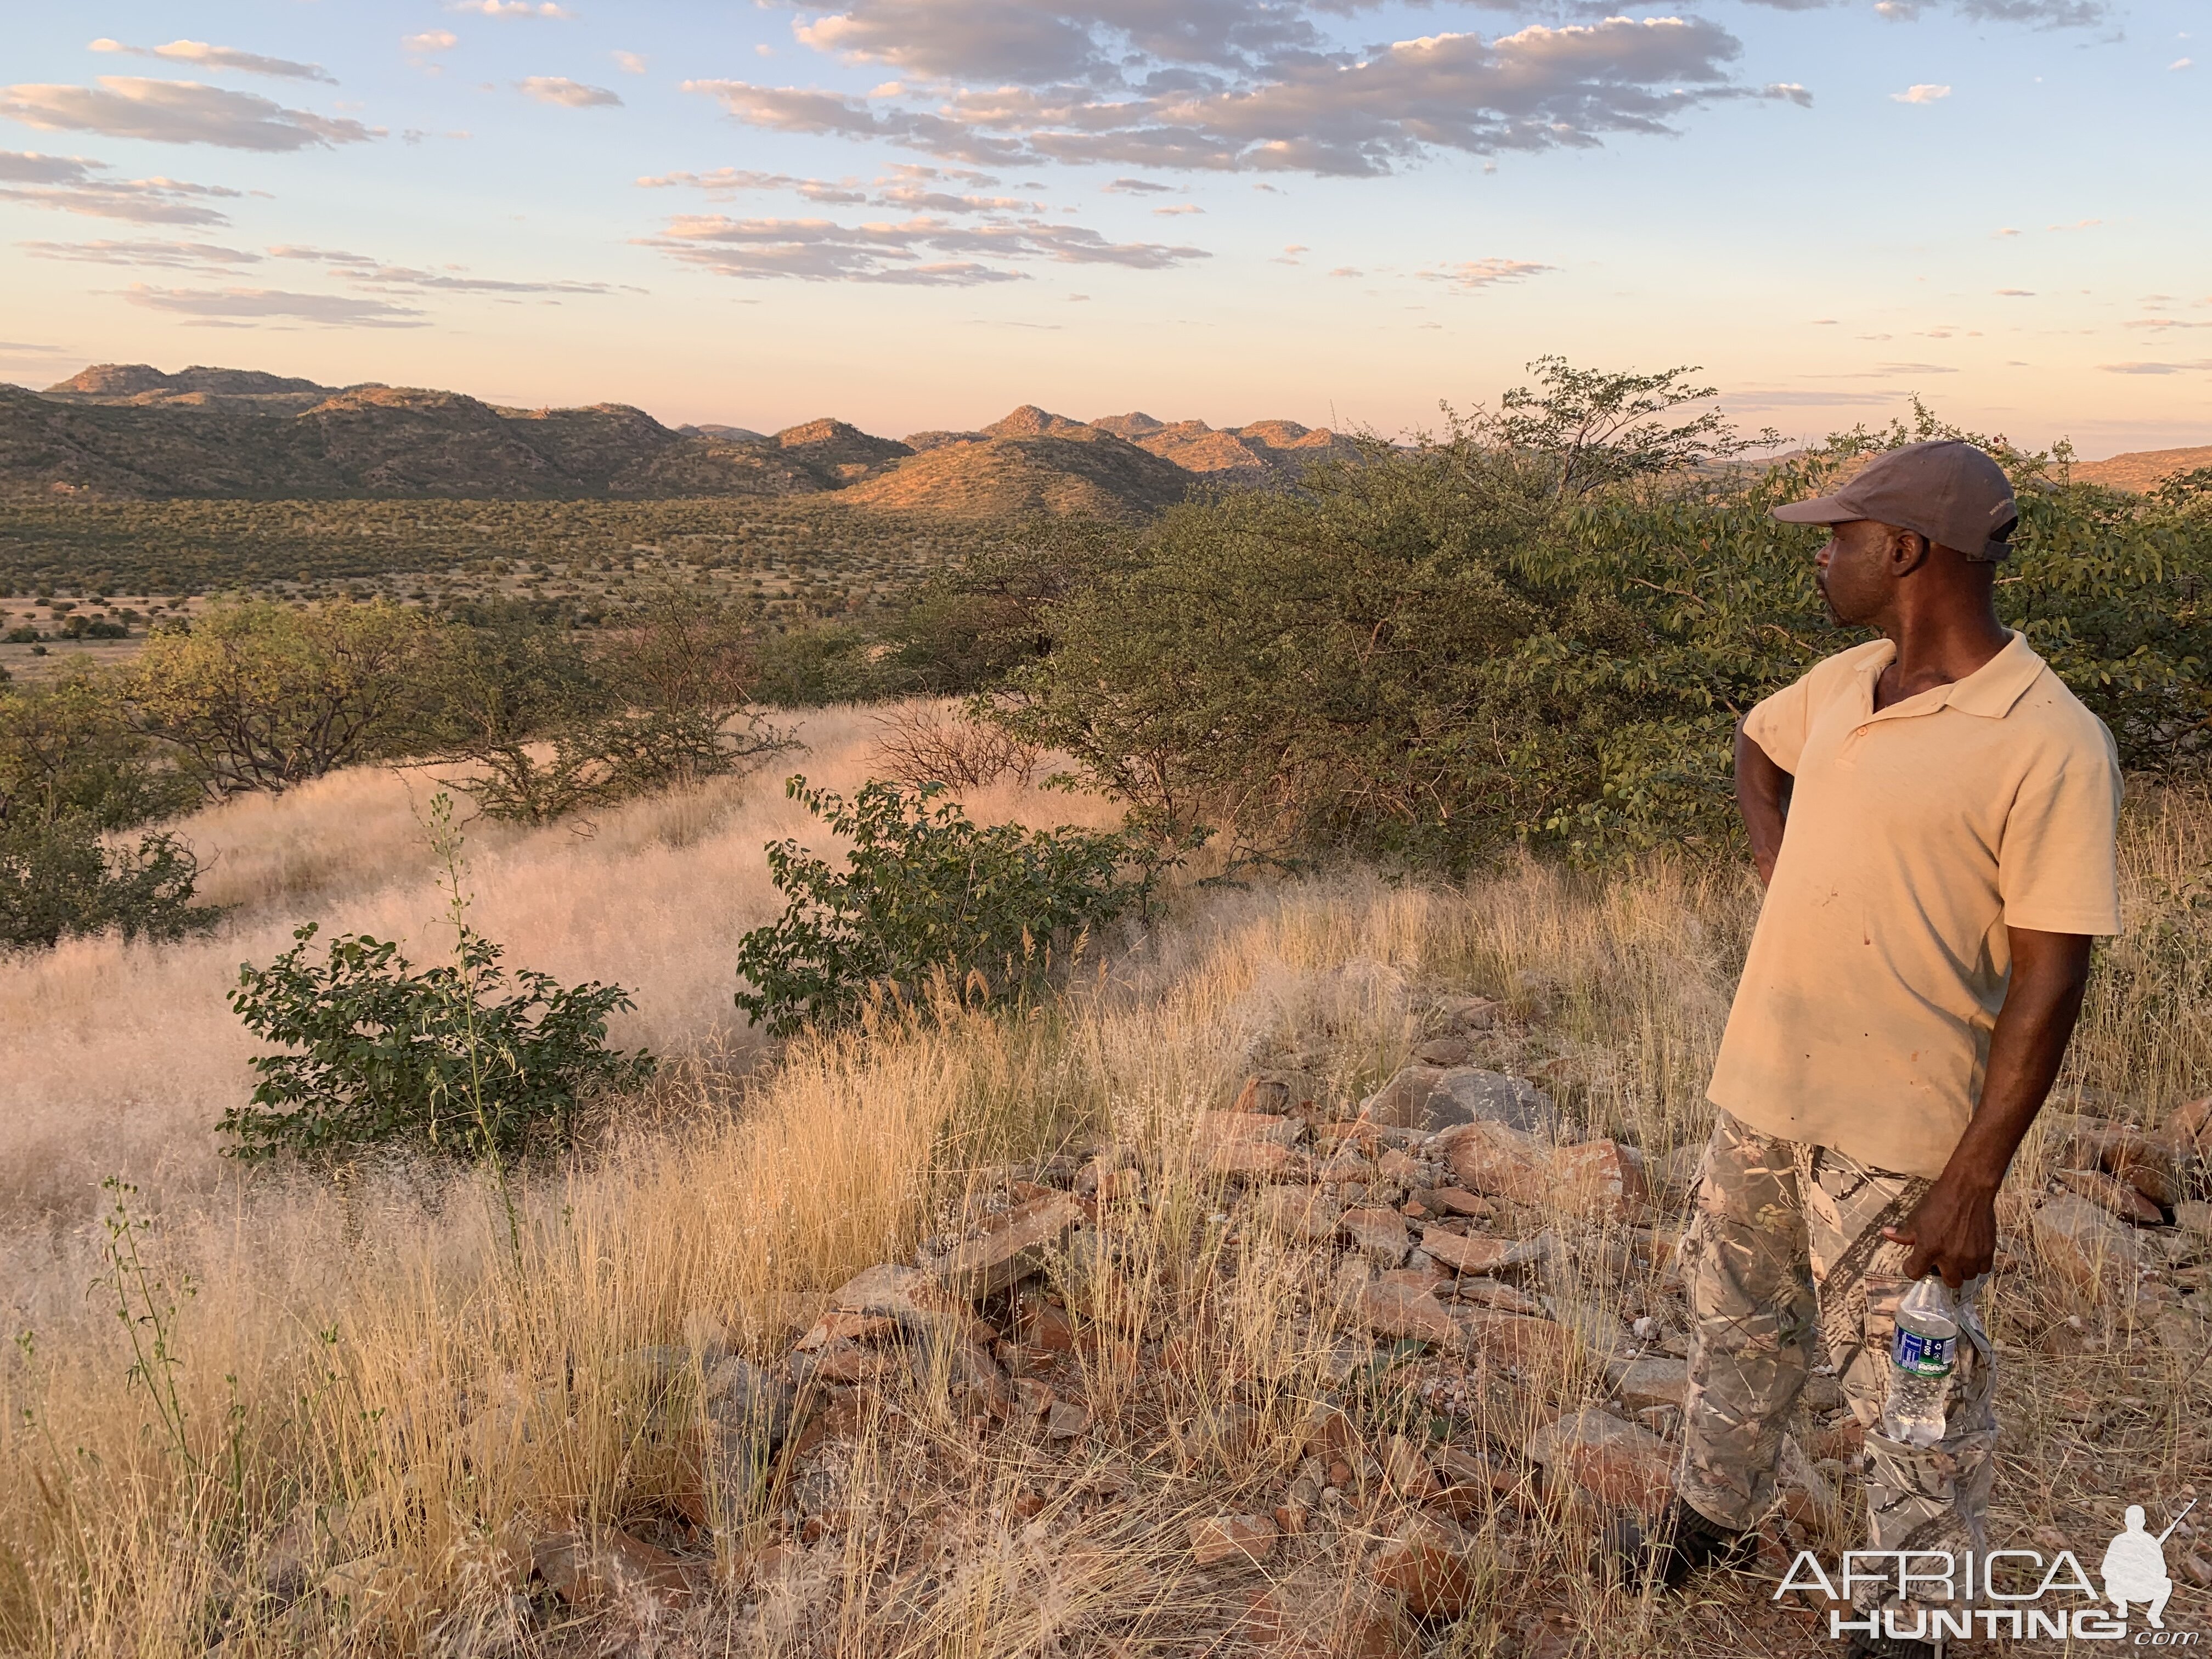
1853, 572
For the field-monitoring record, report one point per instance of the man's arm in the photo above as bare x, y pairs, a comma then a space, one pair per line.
1762, 795
1954, 1230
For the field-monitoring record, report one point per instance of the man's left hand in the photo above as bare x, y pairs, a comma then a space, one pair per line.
1953, 1230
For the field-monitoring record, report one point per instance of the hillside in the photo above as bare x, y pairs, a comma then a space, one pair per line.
1092, 475
2143, 469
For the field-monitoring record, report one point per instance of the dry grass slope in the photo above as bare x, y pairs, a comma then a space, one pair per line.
402, 1433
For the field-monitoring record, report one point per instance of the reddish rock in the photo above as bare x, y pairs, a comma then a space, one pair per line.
1653, 1380
1217, 1128
1399, 1167
1489, 1293
1317, 1614
1046, 1328
1495, 1159
1253, 1160
1480, 1253
1068, 1420
1305, 1214
1617, 1462
585, 1571
2109, 1193
1419, 1274
839, 1327
1537, 1345
1010, 1247
1380, 1233
1397, 1312
2080, 1243
1457, 1200
1429, 1561
1599, 1176
1237, 1538
1291, 1519
1405, 1467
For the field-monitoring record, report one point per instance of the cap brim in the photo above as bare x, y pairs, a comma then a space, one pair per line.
1821, 509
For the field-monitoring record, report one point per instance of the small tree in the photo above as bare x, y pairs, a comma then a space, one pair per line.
1593, 426
60, 880
261, 695
927, 895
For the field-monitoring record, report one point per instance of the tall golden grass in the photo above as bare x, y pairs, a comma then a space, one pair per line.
372, 1372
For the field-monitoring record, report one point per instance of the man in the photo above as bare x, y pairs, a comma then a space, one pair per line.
1934, 817
2135, 1570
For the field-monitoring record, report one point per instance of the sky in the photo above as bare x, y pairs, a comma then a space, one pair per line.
917, 214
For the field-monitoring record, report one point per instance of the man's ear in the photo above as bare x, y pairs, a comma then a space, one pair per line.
1908, 551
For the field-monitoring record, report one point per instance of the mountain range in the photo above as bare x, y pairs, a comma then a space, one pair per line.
129, 431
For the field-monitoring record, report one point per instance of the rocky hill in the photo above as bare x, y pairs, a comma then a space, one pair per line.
2143, 469
130, 431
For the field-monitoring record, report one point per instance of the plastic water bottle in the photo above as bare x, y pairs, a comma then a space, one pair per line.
1920, 1358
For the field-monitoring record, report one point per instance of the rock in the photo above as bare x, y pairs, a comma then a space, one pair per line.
1600, 1177
1433, 1098
1405, 1467
2108, 1192
1652, 1380
1302, 1212
1398, 1167
1480, 1253
1315, 1613
1468, 1013
837, 1326
2194, 1216
1278, 1092
1400, 1313
916, 1298
583, 1572
1108, 1177
1068, 1420
1489, 1293
1457, 1200
2080, 1242
1420, 1273
1617, 1462
1217, 1129
1238, 1538
377, 1588
1444, 1052
1429, 1561
1255, 1160
1380, 1233
2186, 1135
1676, 1177
1527, 1345
1497, 1159
1010, 1248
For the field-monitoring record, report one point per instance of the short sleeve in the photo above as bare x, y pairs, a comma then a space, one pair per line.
1778, 723
2057, 866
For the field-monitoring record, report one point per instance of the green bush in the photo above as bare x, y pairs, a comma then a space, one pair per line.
1442, 652
928, 897
446, 1059
60, 880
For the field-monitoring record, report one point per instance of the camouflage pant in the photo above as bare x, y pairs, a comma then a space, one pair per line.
1785, 1254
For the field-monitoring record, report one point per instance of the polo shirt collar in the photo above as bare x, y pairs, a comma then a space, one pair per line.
1991, 690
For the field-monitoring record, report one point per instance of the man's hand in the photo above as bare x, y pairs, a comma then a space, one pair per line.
1762, 795
1953, 1230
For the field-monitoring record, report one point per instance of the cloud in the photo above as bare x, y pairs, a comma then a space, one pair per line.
2037, 14
509, 9
430, 41
220, 58
1347, 271
1135, 187
1179, 208
182, 256
321, 256
2182, 64
1926, 92
364, 270
2201, 363
560, 89
1471, 274
71, 184
177, 112
1751, 402
629, 62
1300, 111
237, 307
2165, 322
2079, 224
2015, 293
905, 186
921, 251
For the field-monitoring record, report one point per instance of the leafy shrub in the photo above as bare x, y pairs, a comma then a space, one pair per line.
926, 895
445, 1059
59, 879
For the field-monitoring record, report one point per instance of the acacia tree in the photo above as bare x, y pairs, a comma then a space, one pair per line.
259, 695
1589, 427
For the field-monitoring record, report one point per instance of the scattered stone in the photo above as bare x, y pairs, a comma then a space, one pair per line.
1617, 1462
1291, 1519
1444, 1052
916, 1299
1046, 1326
1406, 1171
1240, 1538
1428, 1561
1011, 1247
1305, 1214
1433, 1098
1399, 1313
2194, 1216
1653, 1380
1457, 1200
1255, 1160
1600, 1177
585, 1570
1380, 1233
1497, 1159
1217, 1128
1527, 1344
1489, 1293
1468, 1013
2109, 1193
2079, 1242
1405, 1467
1674, 1177
839, 1327
1481, 1253
1068, 1420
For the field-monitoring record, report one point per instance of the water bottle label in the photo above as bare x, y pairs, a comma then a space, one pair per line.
1921, 1354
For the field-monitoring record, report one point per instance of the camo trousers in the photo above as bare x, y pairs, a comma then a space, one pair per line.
1784, 1257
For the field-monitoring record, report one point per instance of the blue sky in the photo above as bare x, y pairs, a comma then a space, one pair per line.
918, 212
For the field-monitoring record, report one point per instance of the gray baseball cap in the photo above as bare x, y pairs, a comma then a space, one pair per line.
1946, 488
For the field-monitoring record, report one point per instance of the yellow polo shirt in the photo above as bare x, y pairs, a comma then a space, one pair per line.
1916, 837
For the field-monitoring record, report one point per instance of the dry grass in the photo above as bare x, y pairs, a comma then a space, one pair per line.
369, 1372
